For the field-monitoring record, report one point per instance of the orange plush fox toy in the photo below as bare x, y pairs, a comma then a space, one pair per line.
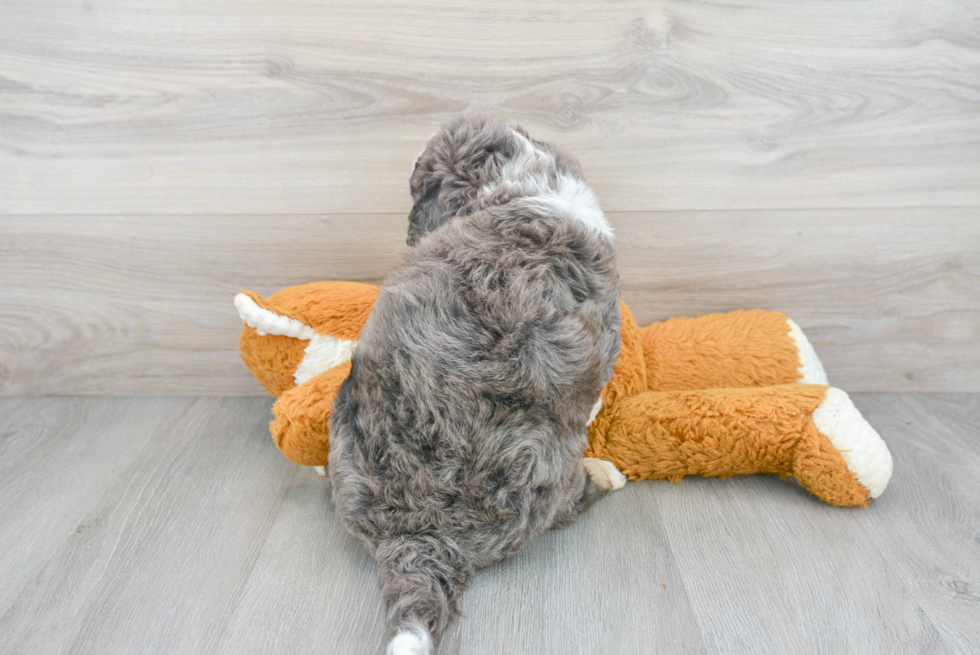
718, 395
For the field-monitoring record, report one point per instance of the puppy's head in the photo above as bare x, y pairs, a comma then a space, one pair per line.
457, 163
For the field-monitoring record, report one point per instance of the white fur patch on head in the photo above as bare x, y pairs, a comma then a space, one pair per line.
531, 171
411, 641
322, 354
864, 452
530, 155
573, 198
811, 369
266, 322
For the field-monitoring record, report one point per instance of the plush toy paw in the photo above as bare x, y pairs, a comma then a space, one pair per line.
864, 452
604, 474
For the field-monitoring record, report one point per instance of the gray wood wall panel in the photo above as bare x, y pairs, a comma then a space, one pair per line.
890, 298
153, 159
292, 107
142, 304
194, 535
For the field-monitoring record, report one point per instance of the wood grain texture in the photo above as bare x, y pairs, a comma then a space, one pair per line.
610, 584
890, 298
200, 537
104, 305
57, 457
819, 159
293, 107
935, 509
111, 304
156, 562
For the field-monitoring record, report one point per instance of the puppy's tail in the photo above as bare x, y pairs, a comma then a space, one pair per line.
422, 577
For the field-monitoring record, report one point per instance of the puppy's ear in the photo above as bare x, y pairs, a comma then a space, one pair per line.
460, 160
425, 215
425, 184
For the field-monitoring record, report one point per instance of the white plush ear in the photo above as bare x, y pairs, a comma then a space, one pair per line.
321, 354
864, 452
266, 322
810, 367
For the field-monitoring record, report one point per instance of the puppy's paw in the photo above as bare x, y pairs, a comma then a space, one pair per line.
322, 470
604, 474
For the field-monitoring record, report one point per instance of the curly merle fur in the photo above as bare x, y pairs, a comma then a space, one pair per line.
458, 436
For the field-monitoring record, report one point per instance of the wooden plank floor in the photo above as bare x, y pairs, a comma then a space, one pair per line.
173, 525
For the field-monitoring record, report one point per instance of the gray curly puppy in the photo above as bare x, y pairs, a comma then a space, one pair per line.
458, 436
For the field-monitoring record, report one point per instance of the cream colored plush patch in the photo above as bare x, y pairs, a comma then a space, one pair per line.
811, 367
865, 454
323, 353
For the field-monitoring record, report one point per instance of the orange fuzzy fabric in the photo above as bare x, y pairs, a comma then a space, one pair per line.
302, 415
339, 309
271, 358
744, 348
725, 432
629, 373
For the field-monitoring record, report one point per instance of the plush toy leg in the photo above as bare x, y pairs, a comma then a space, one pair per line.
808, 431
302, 415
751, 348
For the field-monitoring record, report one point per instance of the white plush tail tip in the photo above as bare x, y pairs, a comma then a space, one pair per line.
864, 452
811, 370
411, 641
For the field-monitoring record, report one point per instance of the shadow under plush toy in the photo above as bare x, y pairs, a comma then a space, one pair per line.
717, 395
